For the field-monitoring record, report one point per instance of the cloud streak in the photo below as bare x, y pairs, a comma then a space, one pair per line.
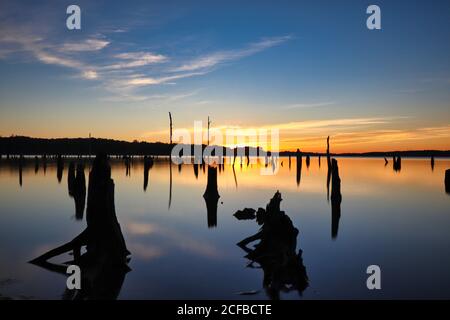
308, 105
117, 68
86, 45
135, 59
220, 57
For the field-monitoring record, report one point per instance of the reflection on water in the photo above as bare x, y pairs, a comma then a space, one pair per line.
384, 214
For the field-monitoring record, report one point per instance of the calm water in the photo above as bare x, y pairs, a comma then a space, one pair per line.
397, 220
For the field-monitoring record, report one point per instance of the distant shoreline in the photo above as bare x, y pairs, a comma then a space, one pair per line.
19, 145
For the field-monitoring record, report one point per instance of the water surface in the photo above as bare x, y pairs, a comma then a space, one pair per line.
399, 220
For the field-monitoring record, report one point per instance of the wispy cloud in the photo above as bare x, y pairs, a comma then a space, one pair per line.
156, 99
348, 134
309, 105
86, 45
48, 53
297, 128
216, 58
49, 58
90, 74
122, 72
135, 59
148, 81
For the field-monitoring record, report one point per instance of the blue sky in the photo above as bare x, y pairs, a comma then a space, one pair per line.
309, 67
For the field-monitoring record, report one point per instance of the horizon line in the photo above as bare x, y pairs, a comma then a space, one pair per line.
280, 151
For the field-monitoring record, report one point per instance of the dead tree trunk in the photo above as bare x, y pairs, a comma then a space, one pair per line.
170, 119
447, 181
336, 198
299, 166
211, 196
329, 168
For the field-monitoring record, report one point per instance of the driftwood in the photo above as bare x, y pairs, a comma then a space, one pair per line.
276, 253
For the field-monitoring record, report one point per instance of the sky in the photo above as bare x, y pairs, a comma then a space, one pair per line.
307, 68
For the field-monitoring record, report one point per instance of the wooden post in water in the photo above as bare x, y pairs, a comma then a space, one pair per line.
170, 162
298, 155
336, 198
209, 123
447, 181
170, 119
329, 168
211, 196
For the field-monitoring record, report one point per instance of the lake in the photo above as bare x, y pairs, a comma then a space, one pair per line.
398, 220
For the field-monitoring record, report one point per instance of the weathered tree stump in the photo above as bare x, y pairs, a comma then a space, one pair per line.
276, 252
104, 264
